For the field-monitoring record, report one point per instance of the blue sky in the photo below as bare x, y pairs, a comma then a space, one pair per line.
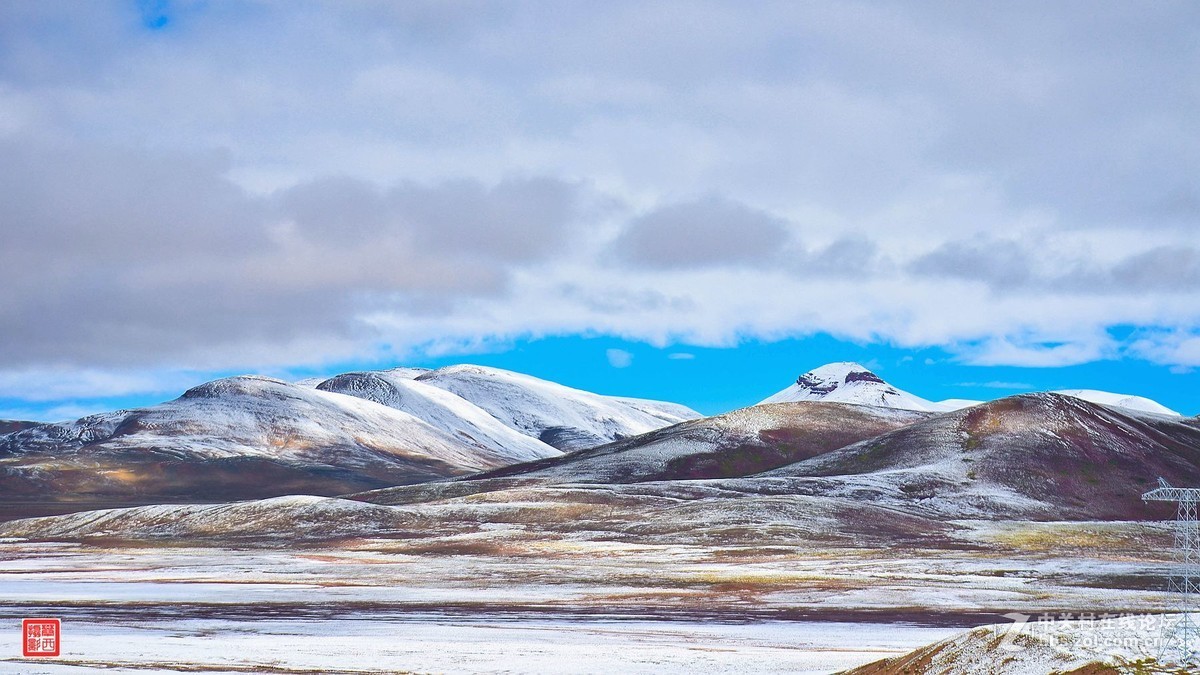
713, 380
950, 192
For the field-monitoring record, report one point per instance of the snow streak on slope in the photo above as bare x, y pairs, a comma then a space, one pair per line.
1126, 401
252, 436
671, 413
851, 383
235, 438
253, 415
289, 517
737, 443
566, 418
1033, 456
458, 417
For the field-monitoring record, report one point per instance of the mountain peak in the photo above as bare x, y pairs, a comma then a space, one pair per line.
832, 375
238, 385
849, 382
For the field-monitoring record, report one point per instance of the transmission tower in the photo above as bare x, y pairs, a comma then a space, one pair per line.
1183, 636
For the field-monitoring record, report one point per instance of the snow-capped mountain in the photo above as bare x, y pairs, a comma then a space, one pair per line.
453, 414
847, 382
1041, 456
521, 414
1126, 401
899, 475
251, 436
254, 415
236, 438
738, 443
852, 383
566, 418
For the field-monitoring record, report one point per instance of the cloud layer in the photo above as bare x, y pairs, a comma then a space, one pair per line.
245, 185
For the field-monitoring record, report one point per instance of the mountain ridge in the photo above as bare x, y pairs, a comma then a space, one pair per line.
1037, 456
558, 415
849, 382
253, 436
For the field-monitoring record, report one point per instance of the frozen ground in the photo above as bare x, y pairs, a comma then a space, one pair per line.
437, 643
497, 602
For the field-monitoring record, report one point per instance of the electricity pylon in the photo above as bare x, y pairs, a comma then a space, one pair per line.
1182, 637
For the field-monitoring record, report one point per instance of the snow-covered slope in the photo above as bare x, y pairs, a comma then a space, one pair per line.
251, 436
950, 404
1090, 646
566, 418
851, 383
738, 443
458, 417
1039, 456
235, 438
288, 517
1127, 401
254, 415
671, 413
401, 373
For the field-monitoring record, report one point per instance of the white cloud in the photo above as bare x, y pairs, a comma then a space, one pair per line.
55, 384
996, 384
618, 358
1175, 348
285, 185
1007, 352
681, 356
55, 413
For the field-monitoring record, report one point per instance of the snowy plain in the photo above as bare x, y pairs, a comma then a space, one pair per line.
529, 605
424, 644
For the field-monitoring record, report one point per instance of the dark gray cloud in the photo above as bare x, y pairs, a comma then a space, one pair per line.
116, 256
1000, 264
721, 233
1166, 268
514, 221
1010, 265
337, 209
517, 220
704, 233
117, 204
846, 258
616, 300
111, 253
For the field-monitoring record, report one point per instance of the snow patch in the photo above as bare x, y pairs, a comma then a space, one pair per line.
848, 382
1126, 401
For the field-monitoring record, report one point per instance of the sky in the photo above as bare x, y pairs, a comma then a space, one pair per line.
693, 200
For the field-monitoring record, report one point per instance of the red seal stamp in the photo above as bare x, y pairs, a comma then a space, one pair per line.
41, 637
